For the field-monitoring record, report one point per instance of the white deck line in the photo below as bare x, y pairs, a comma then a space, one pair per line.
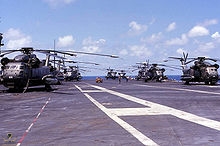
158, 108
141, 137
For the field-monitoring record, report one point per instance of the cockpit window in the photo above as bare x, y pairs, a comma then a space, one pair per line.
211, 69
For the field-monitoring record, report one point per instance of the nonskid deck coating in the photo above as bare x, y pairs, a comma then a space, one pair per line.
109, 113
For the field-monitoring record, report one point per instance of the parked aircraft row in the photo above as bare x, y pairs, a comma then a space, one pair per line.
201, 71
27, 69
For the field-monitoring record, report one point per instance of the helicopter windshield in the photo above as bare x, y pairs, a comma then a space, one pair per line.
211, 70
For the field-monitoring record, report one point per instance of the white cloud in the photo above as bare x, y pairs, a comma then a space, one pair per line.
66, 41
206, 47
17, 39
123, 52
171, 27
56, 3
178, 41
154, 38
92, 46
136, 29
180, 51
198, 31
216, 35
209, 22
140, 51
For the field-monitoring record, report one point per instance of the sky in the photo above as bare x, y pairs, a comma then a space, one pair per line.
135, 30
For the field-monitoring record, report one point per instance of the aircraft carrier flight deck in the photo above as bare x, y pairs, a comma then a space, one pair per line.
132, 113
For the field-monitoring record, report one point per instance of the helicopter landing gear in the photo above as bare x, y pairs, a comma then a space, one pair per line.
48, 88
187, 83
16, 90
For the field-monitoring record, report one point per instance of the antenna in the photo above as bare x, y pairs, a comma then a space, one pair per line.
54, 46
1, 37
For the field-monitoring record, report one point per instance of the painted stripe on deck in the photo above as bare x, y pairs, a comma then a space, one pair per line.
31, 125
158, 108
179, 89
137, 134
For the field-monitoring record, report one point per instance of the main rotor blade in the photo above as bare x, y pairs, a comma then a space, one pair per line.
112, 56
55, 51
54, 55
71, 61
176, 58
190, 61
6, 52
173, 67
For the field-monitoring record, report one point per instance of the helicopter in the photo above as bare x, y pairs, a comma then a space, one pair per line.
122, 73
1, 37
73, 72
201, 71
111, 74
27, 69
150, 72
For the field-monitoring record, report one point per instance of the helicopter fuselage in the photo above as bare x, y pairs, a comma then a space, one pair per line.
207, 74
16, 75
151, 74
111, 75
72, 75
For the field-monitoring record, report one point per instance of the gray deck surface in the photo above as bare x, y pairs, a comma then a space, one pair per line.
132, 113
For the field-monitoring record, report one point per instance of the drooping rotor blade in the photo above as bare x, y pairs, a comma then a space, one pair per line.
135, 70
8, 52
112, 56
179, 58
215, 60
29, 50
191, 61
55, 51
173, 67
54, 55
57, 63
72, 61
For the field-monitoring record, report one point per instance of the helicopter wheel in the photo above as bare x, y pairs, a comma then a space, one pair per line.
206, 83
187, 83
48, 88
15, 90
212, 83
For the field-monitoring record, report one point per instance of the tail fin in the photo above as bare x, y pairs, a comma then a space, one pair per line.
1, 37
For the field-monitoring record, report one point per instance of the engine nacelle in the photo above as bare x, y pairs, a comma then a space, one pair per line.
5, 61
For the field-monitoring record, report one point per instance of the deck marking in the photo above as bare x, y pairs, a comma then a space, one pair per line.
4, 95
179, 89
91, 91
137, 134
158, 108
31, 125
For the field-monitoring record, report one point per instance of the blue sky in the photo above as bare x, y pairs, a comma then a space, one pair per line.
135, 30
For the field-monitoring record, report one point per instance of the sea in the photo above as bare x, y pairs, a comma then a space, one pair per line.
171, 77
